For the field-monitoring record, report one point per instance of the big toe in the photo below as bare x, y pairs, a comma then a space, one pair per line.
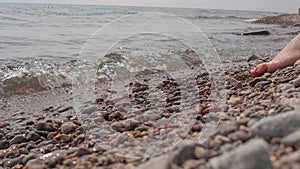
259, 70
269, 67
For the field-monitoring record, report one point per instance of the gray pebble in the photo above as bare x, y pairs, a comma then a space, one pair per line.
296, 82
277, 126
292, 139
32, 136
28, 157
51, 135
11, 135
83, 151
89, 110
65, 108
54, 158
256, 80
42, 133
4, 144
125, 125
18, 139
253, 155
185, 151
23, 151
285, 87
239, 135
261, 84
68, 128
36, 164
43, 126
226, 127
9, 163
30, 145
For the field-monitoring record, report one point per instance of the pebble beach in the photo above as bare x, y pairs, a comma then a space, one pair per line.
257, 124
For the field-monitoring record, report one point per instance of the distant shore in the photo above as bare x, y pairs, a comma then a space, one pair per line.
284, 19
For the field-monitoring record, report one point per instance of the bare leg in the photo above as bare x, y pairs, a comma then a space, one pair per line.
286, 57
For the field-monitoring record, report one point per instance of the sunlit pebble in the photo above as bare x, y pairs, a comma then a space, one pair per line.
273, 158
289, 150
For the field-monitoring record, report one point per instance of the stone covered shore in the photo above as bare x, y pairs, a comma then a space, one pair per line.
284, 19
258, 128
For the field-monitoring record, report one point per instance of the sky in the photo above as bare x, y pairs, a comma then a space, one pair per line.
290, 6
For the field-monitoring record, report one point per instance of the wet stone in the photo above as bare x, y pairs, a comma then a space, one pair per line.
11, 135
43, 126
18, 139
42, 133
36, 164
252, 57
83, 151
125, 125
28, 157
29, 123
65, 108
51, 135
54, 158
65, 138
68, 127
23, 151
89, 110
30, 145
4, 144
32, 136
9, 163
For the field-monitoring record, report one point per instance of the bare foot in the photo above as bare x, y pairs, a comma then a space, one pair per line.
286, 57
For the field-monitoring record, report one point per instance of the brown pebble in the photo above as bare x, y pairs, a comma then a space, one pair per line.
18, 166
276, 140
4, 124
288, 150
273, 158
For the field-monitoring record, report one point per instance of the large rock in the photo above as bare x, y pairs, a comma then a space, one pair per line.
184, 152
292, 139
161, 162
277, 126
253, 155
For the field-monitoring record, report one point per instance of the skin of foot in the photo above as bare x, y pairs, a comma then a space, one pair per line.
286, 57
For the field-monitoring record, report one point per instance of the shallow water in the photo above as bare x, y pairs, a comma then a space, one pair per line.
39, 43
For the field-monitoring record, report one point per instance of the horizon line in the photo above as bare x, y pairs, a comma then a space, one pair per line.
148, 6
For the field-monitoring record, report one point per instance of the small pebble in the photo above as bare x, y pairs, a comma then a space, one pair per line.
18, 139
68, 127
